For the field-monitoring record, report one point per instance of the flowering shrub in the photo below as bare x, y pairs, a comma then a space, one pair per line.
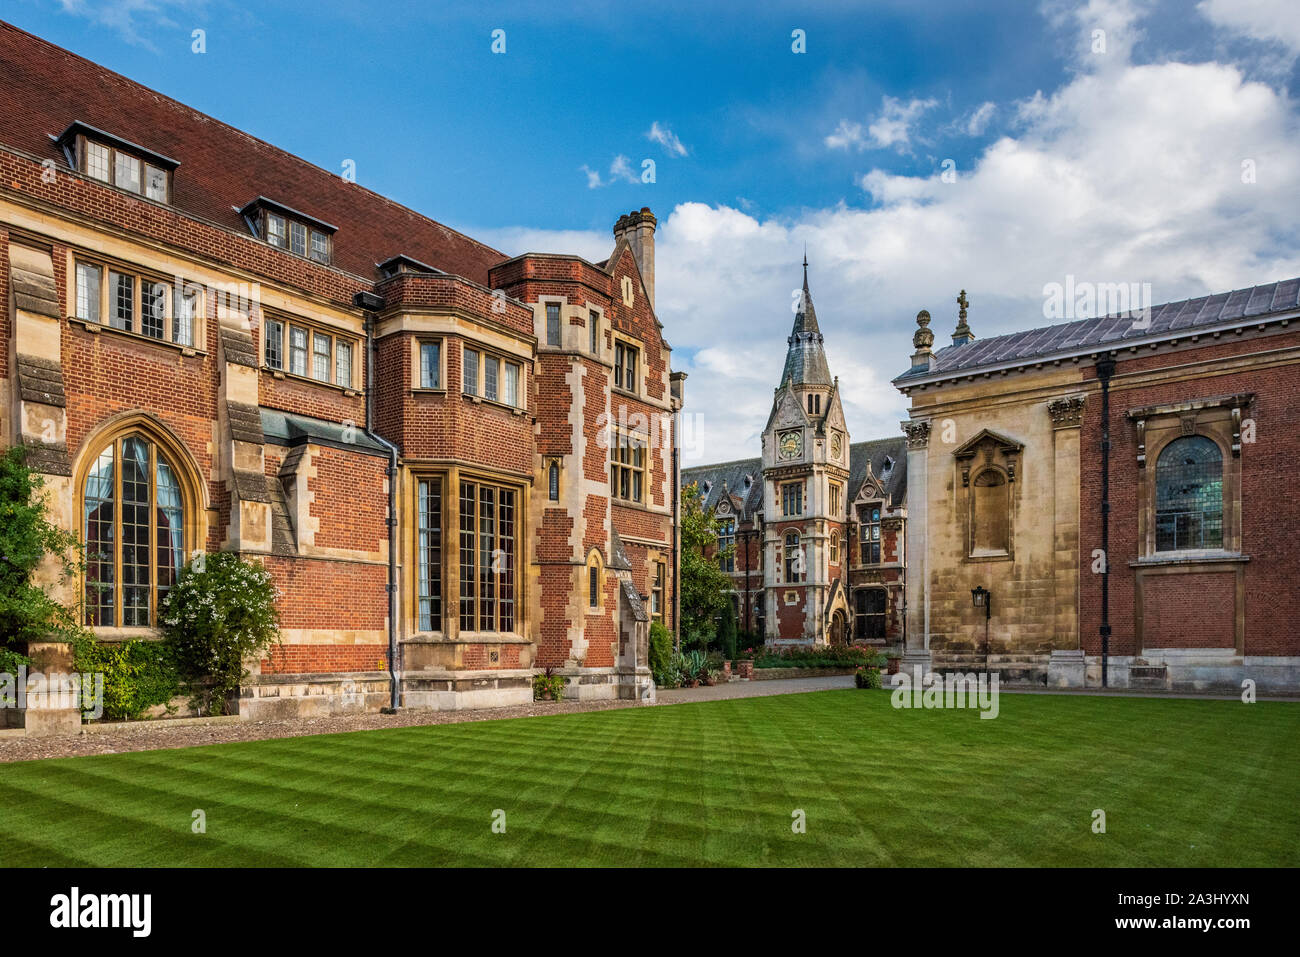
220, 614
867, 678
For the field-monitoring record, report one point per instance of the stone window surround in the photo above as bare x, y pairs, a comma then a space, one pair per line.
288, 319
987, 451
139, 274
504, 358
417, 367
451, 632
1219, 419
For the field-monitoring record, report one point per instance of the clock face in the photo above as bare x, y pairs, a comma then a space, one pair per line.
791, 444
837, 446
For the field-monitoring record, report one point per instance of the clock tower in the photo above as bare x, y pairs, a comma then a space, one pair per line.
805, 478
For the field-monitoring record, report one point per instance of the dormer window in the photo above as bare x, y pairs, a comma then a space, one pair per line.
118, 162
287, 229
405, 264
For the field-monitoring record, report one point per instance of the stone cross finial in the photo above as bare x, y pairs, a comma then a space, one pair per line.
962, 334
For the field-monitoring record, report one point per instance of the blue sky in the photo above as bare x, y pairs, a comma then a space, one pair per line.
432, 117
1123, 164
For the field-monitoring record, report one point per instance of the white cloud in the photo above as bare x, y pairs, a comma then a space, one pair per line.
666, 138
892, 127
620, 170
1128, 172
129, 17
978, 121
1273, 21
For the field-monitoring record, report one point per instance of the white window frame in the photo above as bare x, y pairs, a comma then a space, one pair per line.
476, 383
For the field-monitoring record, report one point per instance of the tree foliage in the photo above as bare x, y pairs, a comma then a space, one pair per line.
705, 588
27, 536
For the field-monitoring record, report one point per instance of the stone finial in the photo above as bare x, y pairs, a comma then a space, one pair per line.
923, 338
962, 334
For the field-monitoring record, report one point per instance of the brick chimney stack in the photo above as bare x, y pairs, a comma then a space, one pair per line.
638, 228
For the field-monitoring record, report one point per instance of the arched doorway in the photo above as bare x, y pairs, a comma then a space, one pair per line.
838, 623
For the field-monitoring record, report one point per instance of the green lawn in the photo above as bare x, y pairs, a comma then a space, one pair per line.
1182, 783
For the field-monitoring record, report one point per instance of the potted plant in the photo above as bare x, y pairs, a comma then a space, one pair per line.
548, 686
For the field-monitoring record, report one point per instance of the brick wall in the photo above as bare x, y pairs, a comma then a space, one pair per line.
1270, 513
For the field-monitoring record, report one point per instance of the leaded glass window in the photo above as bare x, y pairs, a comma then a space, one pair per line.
1189, 495
133, 523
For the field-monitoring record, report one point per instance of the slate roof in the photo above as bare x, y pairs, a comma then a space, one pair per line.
733, 474
633, 599
888, 458
1106, 332
805, 360
221, 169
875, 452
291, 429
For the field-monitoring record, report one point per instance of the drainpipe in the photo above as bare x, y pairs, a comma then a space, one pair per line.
1105, 369
749, 596
677, 559
371, 304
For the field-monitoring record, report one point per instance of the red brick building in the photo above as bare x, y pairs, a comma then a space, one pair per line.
816, 524
457, 465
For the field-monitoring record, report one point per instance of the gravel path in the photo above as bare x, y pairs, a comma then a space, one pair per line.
153, 735
755, 689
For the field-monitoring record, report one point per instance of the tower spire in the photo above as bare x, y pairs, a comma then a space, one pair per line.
805, 360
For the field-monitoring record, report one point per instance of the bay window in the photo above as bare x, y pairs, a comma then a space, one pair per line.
487, 558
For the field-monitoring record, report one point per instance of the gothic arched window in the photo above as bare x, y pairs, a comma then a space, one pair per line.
595, 581
835, 546
794, 558
1189, 495
134, 528
990, 514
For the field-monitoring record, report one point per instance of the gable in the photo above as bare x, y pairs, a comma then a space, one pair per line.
787, 411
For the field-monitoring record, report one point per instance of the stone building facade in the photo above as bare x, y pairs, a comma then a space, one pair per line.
1114, 485
456, 465
813, 529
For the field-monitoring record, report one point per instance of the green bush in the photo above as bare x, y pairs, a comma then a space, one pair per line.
27, 536
220, 614
830, 656
693, 666
11, 661
867, 678
661, 652
138, 675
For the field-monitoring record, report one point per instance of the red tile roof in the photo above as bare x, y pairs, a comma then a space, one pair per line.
46, 88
